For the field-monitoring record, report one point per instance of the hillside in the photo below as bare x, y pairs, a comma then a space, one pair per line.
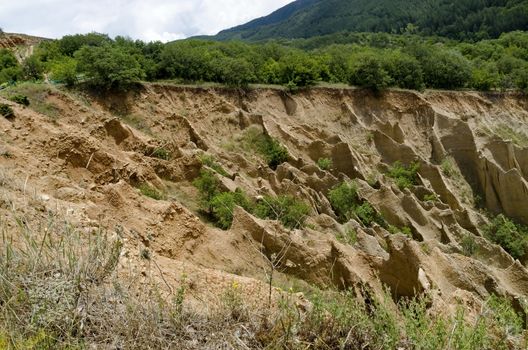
465, 19
123, 224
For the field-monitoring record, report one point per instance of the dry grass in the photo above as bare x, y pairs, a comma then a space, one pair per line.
64, 289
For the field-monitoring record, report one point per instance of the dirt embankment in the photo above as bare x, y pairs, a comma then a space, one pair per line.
89, 157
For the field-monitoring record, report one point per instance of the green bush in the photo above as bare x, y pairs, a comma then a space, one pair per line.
6, 111
509, 235
208, 187
290, 211
325, 163
32, 68
347, 205
20, 99
223, 205
405, 176
344, 198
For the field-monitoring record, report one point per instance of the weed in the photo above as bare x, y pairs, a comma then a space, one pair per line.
448, 167
20, 99
161, 153
325, 164
151, 192
209, 161
349, 237
469, 245
290, 211
431, 198
7, 111
516, 136
223, 204
405, 230
274, 153
38, 94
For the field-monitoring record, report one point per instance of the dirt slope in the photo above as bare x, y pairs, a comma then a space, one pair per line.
88, 156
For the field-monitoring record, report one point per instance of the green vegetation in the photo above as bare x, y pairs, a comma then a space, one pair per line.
48, 269
6, 111
325, 164
506, 132
405, 230
151, 192
509, 235
20, 99
290, 211
370, 60
209, 161
463, 19
37, 93
349, 237
161, 153
347, 205
405, 176
431, 198
469, 245
219, 205
274, 153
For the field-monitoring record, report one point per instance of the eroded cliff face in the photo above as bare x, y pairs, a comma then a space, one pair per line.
90, 158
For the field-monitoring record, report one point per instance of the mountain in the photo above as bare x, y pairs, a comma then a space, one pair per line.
461, 19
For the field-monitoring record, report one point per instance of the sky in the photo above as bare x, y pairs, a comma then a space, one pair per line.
147, 20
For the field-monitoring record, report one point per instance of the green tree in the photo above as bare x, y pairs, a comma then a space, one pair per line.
64, 71
32, 68
108, 66
368, 71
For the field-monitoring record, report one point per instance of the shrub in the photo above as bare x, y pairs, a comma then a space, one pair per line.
151, 192
325, 163
509, 235
208, 187
290, 211
430, 198
20, 99
32, 68
347, 205
405, 176
276, 154
7, 111
223, 204
343, 199
448, 167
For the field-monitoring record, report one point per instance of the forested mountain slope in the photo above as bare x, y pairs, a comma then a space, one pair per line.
463, 19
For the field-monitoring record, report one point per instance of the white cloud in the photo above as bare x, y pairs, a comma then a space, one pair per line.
163, 20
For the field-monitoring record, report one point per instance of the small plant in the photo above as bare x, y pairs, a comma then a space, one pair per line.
290, 211
208, 160
405, 230
151, 192
431, 198
448, 167
509, 235
274, 153
469, 245
7, 111
325, 164
405, 176
349, 237
20, 99
145, 254
161, 153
